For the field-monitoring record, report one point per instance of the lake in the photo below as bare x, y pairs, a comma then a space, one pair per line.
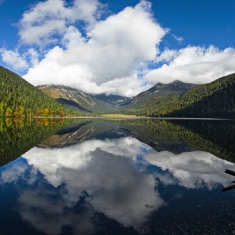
114, 176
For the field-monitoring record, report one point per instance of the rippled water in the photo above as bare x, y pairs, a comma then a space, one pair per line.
122, 177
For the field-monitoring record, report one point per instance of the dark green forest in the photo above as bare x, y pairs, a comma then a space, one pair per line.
212, 100
18, 98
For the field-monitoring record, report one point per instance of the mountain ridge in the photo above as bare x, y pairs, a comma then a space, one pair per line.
77, 99
74, 98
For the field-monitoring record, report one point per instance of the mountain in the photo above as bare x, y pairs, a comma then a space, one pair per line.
212, 100
79, 100
18, 98
160, 89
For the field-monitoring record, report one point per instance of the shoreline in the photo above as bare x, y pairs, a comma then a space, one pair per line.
125, 117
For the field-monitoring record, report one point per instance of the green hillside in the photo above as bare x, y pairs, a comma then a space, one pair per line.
158, 90
18, 98
215, 99
212, 100
159, 106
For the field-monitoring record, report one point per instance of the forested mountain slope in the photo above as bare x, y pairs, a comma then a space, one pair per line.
212, 100
160, 89
215, 99
18, 98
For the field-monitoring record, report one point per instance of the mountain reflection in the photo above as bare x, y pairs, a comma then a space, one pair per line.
87, 176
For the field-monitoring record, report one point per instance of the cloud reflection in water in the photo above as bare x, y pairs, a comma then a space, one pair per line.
105, 171
109, 179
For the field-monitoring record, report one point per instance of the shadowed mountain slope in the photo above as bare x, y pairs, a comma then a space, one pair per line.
79, 100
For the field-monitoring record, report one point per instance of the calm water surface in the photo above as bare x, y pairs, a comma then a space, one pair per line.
117, 177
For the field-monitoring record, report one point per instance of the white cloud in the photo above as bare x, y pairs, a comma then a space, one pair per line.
14, 59
166, 56
108, 62
20, 61
69, 44
178, 39
41, 23
193, 64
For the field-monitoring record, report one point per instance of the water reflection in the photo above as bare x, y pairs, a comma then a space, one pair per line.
232, 186
107, 181
191, 170
108, 174
18, 135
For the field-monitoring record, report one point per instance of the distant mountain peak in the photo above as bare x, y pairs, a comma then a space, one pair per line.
160, 89
177, 81
159, 84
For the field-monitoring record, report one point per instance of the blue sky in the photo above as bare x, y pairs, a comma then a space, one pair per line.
117, 46
198, 22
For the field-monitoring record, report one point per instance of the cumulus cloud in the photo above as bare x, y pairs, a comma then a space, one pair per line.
33, 56
166, 56
82, 45
41, 23
193, 64
14, 59
107, 58
20, 61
